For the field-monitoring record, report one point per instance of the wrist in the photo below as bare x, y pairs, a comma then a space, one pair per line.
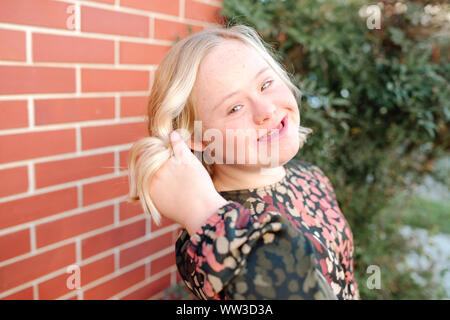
206, 208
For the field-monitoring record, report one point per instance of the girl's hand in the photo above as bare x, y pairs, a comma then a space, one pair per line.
182, 189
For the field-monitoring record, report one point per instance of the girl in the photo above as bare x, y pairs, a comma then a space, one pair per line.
252, 230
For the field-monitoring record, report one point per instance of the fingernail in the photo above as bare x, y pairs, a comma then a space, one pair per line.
174, 136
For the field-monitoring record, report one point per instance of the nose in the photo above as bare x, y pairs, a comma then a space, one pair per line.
264, 110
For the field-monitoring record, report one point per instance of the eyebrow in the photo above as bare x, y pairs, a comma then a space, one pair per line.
237, 91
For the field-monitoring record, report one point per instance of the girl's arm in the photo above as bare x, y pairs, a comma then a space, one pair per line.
235, 255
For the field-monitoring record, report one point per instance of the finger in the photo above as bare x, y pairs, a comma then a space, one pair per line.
179, 147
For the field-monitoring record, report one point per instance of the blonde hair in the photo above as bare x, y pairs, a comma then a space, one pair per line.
170, 104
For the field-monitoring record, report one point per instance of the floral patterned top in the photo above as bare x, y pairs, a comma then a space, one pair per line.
287, 240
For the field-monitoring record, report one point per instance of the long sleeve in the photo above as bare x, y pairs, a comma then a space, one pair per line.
237, 255
348, 251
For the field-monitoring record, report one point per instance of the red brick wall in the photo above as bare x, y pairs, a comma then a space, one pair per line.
74, 77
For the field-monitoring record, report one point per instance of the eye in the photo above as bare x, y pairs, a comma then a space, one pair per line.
264, 86
239, 105
269, 81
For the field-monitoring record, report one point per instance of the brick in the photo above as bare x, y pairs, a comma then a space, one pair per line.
31, 145
169, 7
43, 13
61, 171
150, 289
12, 45
25, 79
123, 160
133, 106
168, 30
165, 222
162, 263
97, 269
65, 228
104, 190
52, 111
116, 285
104, 80
114, 22
202, 11
141, 53
145, 249
56, 48
57, 287
36, 207
113, 238
14, 244
14, 114
20, 272
129, 210
109, 135
25, 294
17, 181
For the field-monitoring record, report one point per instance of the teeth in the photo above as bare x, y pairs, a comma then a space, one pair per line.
276, 130
269, 134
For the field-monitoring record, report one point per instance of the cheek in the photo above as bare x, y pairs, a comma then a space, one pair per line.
237, 146
234, 147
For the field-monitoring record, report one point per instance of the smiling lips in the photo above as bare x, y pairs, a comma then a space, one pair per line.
277, 132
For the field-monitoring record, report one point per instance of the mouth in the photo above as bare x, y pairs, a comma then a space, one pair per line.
276, 132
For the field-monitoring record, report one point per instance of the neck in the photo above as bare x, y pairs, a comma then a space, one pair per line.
235, 177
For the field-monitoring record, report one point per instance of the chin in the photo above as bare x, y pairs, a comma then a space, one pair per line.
288, 147
285, 153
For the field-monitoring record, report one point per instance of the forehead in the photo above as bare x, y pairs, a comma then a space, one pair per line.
227, 67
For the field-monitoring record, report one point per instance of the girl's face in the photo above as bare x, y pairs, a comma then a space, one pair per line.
236, 89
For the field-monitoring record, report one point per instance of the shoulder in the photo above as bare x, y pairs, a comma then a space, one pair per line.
305, 167
310, 172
